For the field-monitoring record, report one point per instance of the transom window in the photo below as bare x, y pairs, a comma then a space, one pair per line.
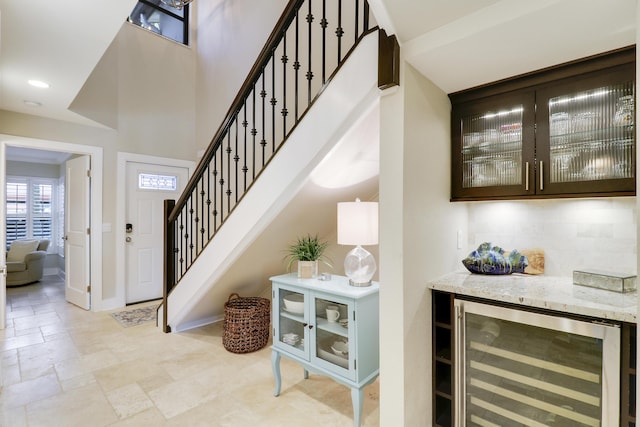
147, 181
157, 17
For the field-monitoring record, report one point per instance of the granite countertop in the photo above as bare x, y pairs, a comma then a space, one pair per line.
546, 292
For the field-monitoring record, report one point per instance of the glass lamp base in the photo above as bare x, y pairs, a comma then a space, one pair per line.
359, 266
359, 285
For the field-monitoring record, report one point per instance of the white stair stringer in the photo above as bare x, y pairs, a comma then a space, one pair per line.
352, 91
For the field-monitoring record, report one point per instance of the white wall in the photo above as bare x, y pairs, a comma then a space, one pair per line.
226, 27
417, 241
574, 233
32, 170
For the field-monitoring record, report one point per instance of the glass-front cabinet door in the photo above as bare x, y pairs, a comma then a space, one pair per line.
586, 136
566, 131
333, 342
291, 327
493, 143
522, 368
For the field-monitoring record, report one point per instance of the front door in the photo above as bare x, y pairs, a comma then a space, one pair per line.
148, 186
77, 248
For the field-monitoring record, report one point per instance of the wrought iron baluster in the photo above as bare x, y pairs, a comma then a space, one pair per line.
339, 31
263, 142
177, 270
296, 67
323, 24
189, 235
229, 171
180, 242
215, 192
357, 21
365, 17
236, 158
206, 173
196, 219
254, 132
284, 60
221, 182
245, 169
309, 43
273, 101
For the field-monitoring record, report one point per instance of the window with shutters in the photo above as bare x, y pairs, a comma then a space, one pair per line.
30, 208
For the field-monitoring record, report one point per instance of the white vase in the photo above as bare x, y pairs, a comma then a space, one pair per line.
307, 269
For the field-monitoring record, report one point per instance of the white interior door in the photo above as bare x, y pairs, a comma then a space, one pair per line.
147, 187
3, 288
77, 259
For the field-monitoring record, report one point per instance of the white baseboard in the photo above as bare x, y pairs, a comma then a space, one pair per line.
53, 271
198, 323
111, 304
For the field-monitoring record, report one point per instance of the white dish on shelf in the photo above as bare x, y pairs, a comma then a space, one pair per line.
294, 303
340, 348
330, 357
286, 310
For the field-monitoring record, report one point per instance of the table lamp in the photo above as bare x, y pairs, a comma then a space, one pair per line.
358, 225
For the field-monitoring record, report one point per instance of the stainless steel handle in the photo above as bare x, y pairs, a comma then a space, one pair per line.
526, 176
459, 357
541, 175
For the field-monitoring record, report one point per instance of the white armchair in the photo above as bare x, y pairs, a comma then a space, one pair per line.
25, 261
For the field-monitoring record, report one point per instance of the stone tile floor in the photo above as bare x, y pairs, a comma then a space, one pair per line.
63, 366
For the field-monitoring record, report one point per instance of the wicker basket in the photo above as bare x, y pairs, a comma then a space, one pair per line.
246, 323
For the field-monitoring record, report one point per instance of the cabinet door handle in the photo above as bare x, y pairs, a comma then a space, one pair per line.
304, 325
541, 175
310, 326
526, 176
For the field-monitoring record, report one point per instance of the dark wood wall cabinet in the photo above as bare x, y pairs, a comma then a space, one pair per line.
565, 131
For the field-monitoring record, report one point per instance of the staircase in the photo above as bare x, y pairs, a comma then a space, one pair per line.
309, 86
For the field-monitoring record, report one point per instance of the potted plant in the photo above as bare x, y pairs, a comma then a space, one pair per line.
307, 251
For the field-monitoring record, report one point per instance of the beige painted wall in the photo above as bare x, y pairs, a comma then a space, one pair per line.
225, 28
417, 243
155, 115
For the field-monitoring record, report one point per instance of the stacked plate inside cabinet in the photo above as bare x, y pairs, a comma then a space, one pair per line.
291, 338
340, 348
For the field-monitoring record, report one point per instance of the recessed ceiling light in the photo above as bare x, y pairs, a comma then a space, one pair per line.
32, 103
39, 83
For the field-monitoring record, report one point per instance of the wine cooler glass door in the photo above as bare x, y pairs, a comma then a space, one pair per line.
522, 368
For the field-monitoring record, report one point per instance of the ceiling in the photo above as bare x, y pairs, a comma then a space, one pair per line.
465, 43
58, 42
456, 44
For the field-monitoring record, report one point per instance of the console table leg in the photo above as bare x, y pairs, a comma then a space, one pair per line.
357, 400
275, 365
306, 374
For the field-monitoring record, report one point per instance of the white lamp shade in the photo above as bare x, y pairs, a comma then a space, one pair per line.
358, 223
